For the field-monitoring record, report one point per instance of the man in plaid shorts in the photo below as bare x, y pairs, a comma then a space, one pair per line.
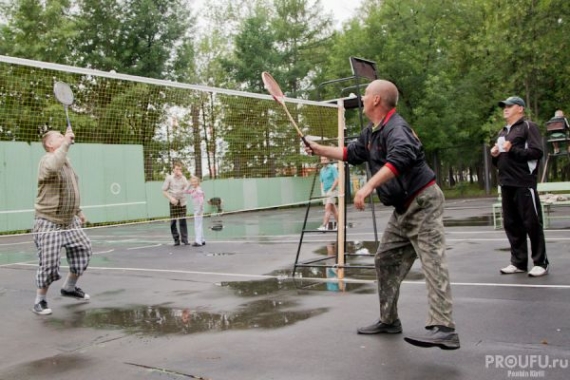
58, 222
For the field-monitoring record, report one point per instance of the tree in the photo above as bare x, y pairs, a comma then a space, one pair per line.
303, 35
40, 30
146, 38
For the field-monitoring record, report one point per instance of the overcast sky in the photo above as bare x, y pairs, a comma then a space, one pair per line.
342, 9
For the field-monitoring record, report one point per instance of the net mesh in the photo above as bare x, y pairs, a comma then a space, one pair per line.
213, 133
237, 135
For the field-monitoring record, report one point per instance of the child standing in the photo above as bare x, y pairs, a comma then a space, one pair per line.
329, 183
197, 195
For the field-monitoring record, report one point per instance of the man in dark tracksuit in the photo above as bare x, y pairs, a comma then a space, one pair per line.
516, 155
402, 179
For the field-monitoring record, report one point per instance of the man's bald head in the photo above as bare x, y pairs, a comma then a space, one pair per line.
48, 140
387, 91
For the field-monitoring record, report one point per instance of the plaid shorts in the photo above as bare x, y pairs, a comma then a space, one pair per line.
50, 238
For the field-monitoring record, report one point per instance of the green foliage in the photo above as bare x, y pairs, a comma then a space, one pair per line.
147, 38
452, 60
465, 190
39, 30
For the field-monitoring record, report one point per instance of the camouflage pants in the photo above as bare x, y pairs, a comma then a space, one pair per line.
416, 233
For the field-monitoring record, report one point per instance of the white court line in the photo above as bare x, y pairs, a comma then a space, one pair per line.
173, 271
18, 243
115, 205
510, 285
295, 240
16, 211
225, 274
24, 263
144, 247
83, 207
102, 252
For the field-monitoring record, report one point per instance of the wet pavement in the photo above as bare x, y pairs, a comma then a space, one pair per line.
232, 310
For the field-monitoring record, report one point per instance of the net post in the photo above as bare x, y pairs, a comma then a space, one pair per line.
341, 195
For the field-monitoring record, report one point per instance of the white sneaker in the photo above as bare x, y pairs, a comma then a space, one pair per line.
322, 228
537, 271
511, 269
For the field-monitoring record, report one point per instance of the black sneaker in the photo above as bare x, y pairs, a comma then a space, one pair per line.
438, 336
381, 328
41, 308
75, 293
196, 245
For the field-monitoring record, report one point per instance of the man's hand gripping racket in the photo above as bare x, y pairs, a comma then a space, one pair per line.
274, 90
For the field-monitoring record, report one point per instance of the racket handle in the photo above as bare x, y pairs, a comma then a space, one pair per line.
69, 129
307, 144
68, 123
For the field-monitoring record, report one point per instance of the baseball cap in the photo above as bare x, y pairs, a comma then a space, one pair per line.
511, 100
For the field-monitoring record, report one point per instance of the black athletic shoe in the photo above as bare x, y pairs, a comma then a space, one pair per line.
382, 328
196, 245
75, 293
41, 308
176, 243
438, 336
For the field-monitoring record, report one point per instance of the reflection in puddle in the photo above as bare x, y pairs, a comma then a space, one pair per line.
486, 220
335, 286
264, 287
359, 263
356, 247
159, 320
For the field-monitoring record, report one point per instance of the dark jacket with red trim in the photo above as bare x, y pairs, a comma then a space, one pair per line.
519, 166
396, 145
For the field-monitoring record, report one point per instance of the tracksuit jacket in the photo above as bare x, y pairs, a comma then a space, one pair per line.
396, 145
519, 166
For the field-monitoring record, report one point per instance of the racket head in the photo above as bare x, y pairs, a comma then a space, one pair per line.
63, 93
272, 87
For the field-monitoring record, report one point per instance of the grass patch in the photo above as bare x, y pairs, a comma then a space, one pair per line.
466, 190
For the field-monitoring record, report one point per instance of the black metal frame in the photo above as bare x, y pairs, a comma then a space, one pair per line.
361, 68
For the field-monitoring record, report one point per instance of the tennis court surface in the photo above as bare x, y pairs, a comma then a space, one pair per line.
231, 310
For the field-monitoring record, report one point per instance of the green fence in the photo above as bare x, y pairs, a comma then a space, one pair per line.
111, 181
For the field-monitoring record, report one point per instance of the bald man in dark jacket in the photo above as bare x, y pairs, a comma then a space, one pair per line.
402, 179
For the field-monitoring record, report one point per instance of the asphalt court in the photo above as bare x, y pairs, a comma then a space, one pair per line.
231, 310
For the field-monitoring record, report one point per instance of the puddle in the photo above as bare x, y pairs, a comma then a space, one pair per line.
160, 320
356, 247
486, 220
265, 287
52, 366
268, 313
360, 258
335, 286
257, 288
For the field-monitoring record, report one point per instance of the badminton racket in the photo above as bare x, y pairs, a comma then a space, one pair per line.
274, 90
64, 95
